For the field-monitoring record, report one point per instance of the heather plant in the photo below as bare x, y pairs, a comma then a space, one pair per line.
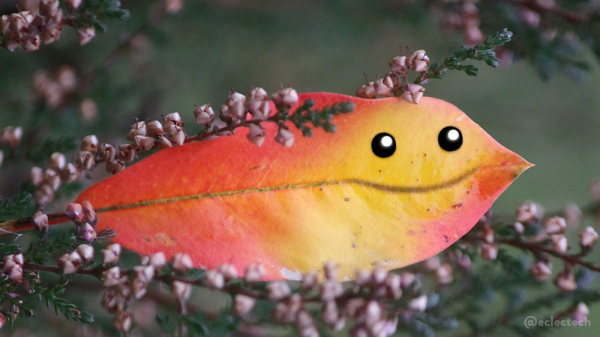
508, 268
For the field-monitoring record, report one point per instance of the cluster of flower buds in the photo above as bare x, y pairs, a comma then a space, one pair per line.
470, 23
54, 89
29, 31
13, 267
49, 180
173, 6
217, 278
237, 107
11, 135
84, 216
396, 81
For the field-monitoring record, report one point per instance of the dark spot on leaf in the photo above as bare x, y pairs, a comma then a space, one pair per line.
457, 205
346, 199
446, 238
253, 168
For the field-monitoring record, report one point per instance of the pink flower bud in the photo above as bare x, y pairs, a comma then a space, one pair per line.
143, 274
89, 143
243, 304
70, 173
399, 65
331, 270
88, 232
366, 91
444, 274
541, 270
379, 275
111, 277
181, 290
122, 320
414, 93
418, 61
40, 221
559, 243
163, 143
73, 4
86, 252
330, 290
565, 281
214, 279
418, 303
89, 213
489, 252
407, 279
15, 274
182, 262
177, 135
155, 129
393, 286
115, 166
172, 119
85, 160
284, 137
381, 88
111, 254
10, 261
36, 175
528, 212
228, 270
107, 152
158, 260
144, 143
277, 290
204, 114
86, 34
254, 272
258, 94
555, 225
588, 237
137, 129
309, 280
581, 312
256, 134
74, 212
69, 263
285, 98
260, 110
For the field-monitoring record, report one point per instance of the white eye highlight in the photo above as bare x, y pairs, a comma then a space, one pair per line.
453, 135
387, 141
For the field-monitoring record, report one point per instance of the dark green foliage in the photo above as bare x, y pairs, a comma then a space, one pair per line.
14, 207
304, 114
484, 52
42, 152
52, 297
165, 323
91, 13
39, 252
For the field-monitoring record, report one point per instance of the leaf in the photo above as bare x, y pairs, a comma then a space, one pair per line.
13, 207
326, 198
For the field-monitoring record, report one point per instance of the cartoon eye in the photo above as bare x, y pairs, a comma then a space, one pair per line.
383, 145
450, 139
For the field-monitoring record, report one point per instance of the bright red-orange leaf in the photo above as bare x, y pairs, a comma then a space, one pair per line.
329, 197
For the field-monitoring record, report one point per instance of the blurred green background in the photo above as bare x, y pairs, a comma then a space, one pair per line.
196, 56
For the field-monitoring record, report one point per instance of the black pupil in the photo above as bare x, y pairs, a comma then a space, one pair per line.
450, 138
383, 145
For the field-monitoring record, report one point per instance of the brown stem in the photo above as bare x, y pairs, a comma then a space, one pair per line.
17, 225
112, 58
535, 248
571, 17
